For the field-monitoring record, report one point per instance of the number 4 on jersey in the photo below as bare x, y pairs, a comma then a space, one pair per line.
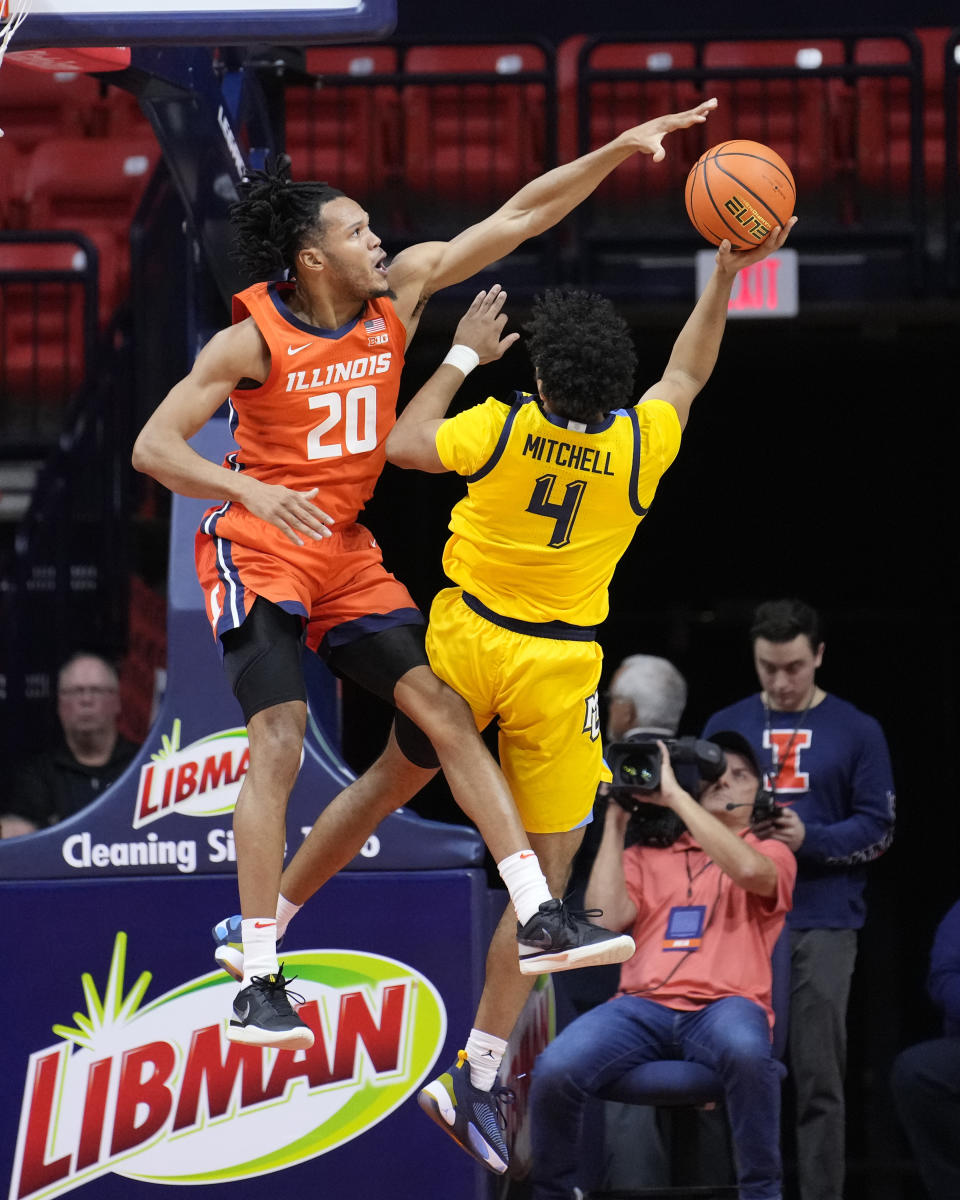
563, 513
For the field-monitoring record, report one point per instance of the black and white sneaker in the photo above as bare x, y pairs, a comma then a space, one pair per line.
556, 939
264, 1016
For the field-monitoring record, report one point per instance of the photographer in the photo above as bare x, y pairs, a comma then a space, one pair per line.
705, 913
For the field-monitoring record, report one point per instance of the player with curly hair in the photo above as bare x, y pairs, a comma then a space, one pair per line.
311, 368
557, 484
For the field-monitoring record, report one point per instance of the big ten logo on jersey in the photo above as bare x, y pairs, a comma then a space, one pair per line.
591, 717
376, 331
339, 372
787, 745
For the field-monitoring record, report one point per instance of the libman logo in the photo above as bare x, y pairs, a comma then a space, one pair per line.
199, 780
157, 1094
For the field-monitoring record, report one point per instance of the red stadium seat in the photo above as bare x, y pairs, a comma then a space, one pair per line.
792, 115
616, 104
345, 129
881, 117
43, 359
357, 61
933, 43
92, 185
36, 105
13, 165
471, 144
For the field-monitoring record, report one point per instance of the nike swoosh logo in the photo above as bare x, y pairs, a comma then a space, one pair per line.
528, 854
297, 349
263, 924
242, 1016
539, 938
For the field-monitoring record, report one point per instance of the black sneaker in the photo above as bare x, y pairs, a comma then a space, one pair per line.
468, 1114
556, 939
264, 1016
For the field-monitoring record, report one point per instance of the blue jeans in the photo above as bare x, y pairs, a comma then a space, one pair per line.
730, 1035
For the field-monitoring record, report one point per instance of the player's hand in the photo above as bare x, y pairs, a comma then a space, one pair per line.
293, 513
482, 324
730, 261
648, 137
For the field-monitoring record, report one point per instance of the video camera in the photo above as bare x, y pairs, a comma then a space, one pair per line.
635, 767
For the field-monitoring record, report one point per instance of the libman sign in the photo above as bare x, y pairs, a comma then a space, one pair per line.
155, 1092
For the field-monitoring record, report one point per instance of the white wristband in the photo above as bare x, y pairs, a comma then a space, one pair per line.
463, 358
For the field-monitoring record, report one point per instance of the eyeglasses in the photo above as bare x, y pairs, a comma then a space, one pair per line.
74, 693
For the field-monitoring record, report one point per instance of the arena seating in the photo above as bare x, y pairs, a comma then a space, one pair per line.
429, 133
92, 185
47, 302
477, 131
345, 128
36, 105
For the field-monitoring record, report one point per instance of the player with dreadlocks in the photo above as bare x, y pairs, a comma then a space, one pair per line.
311, 366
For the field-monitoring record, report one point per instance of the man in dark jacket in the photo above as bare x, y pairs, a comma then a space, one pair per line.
58, 782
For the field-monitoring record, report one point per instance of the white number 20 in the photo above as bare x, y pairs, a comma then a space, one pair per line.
359, 433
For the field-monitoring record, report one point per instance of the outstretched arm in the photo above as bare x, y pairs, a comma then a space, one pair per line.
695, 351
421, 270
413, 440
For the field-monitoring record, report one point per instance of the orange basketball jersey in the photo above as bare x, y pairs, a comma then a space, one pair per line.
321, 416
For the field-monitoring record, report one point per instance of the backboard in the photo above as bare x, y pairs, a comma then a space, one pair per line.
202, 22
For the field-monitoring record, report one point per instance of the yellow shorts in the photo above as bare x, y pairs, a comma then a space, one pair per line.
544, 692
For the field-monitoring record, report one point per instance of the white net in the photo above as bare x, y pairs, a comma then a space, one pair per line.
12, 13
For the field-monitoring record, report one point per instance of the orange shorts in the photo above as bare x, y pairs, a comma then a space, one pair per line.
338, 585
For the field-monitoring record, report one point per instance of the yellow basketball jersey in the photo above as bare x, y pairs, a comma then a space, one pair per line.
551, 504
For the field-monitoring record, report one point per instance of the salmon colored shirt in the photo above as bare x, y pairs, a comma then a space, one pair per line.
739, 928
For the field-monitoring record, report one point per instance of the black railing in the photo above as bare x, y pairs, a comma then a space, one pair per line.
48, 332
64, 584
849, 124
432, 135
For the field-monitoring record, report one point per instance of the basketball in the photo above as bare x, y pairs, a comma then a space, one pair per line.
739, 190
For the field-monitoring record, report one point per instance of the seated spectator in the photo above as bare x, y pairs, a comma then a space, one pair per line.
926, 1078
59, 781
709, 1004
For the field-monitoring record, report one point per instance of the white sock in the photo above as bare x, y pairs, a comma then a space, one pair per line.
484, 1054
525, 882
286, 911
259, 948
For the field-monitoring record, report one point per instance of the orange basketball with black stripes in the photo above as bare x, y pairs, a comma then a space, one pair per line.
739, 190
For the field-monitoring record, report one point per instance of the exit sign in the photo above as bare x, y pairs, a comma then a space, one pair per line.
767, 289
